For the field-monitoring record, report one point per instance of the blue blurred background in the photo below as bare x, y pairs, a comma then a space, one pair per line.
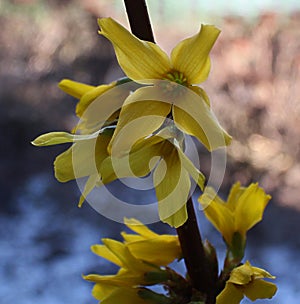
254, 87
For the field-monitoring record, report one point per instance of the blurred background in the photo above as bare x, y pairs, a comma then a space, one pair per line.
254, 87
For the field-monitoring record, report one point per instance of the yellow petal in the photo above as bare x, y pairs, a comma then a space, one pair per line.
159, 251
74, 88
91, 95
127, 259
122, 253
101, 291
230, 295
241, 275
84, 158
54, 138
260, 273
250, 208
125, 296
92, 181
140, 60
172, 186
95, 110
218, 214
128, 238
104, 252
233, 198
190, 56
139, 228
107, 170
141, 115
63, 167
122, 278
201, 93
178, 218
192, 116
138, 163
260, 289
197, 176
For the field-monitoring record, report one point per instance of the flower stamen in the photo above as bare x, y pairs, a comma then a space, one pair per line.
176, 76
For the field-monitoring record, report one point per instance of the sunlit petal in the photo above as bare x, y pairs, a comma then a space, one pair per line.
230, 295
101, 291
104, 252
140, 60
218, 214
124, 296
172, 186
74, 88
241, 275
140, 117
56, 138
157, 251
193, 116
137, 163
139, 228
233, 197
91, 95
260, 289
95, 111
197, 176
250, 208
190, 56
82, 159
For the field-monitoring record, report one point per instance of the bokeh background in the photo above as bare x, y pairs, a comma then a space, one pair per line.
254, 87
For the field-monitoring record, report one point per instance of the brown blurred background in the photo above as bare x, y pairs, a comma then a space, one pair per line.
254, 87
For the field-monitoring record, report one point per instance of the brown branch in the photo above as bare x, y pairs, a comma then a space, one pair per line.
139, 19
194, 254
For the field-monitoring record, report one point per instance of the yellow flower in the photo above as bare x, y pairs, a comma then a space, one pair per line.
171, 173
98, 106
144, 62
149, 246
82, 159
243, 209
247, 280
133, 272
110, 294
98, 109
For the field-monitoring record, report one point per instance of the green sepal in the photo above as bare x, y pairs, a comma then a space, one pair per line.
154, 297
236, 249
133, 85
155, 277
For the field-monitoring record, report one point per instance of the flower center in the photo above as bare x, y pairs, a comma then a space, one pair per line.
174, 84
177, 77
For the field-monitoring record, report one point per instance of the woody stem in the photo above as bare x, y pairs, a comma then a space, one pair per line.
194, 255
188, 234
139, 19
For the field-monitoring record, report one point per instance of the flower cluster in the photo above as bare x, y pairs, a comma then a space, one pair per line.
137, 126
127, 122
143, 259
141, 264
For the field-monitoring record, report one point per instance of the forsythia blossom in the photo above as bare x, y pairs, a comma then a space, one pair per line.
146, 63
136, 126
140, 260
247, 280
171, 173
244, 208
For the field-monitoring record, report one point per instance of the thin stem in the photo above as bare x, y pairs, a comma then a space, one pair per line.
194, 254
139, 19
